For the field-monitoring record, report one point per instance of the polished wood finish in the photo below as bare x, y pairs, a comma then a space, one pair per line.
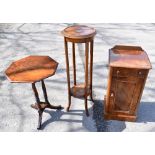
33, 69
68, 74
41, 106
129, 57
91, 68
86, 75
79, 34
79, 91
74, 63
128, 70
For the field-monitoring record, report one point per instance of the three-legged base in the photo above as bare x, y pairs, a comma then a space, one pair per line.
41, 106
44, 105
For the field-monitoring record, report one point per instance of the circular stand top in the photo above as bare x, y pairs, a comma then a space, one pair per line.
31, 69
78, 32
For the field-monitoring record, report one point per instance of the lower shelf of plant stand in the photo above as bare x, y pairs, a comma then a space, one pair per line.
79, 91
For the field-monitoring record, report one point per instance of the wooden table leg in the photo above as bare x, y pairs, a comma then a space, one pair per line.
37, 105
91, 69
47, 103
74, 63
68, 73
86, 75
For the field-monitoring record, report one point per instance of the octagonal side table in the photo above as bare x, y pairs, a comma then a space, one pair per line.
79, 34
34, 69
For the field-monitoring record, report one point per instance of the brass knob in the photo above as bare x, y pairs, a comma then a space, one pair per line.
118, 71
112, 94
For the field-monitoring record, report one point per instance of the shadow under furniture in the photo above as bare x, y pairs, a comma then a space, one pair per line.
34, 69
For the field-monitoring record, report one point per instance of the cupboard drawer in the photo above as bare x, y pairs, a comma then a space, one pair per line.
126, 72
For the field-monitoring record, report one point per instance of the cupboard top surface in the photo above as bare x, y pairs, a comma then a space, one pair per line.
129, 57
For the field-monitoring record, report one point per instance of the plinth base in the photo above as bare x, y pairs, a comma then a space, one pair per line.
120, 117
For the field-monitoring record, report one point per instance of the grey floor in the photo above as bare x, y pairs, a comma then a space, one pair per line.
20, 40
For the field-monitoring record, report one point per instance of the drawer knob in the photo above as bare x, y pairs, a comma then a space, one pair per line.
140, 73
118, 71
112, 94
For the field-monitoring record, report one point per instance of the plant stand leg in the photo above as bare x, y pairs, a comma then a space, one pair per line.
86, 76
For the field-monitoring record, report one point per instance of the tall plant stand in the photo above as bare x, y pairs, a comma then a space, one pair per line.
79, 34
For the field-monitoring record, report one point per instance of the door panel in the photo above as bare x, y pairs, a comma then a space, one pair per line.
137, 95
124, 96
124, 93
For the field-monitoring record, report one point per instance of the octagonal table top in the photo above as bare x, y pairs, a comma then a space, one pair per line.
31, 69
78, 32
